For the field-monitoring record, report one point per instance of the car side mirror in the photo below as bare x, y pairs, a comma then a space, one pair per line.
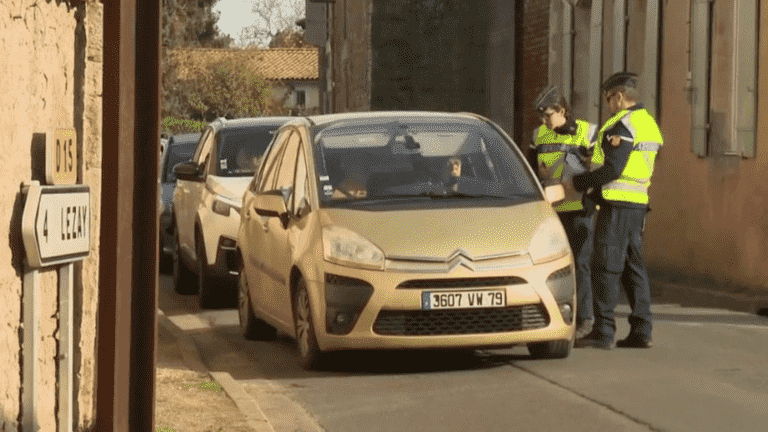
303, 208
270, 204
554, 193
188, 170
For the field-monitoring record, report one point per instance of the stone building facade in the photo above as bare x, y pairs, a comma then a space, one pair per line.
700, 63
51, 77
485, 57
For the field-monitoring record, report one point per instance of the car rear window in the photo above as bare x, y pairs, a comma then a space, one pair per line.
240, 150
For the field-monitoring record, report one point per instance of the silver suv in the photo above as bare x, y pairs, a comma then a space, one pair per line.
206, 206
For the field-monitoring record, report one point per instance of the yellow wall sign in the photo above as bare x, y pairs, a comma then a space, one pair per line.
61, 157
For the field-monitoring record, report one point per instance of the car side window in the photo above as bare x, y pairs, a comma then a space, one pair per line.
202, 145
301, 183
270, 164
287, 168
210, 168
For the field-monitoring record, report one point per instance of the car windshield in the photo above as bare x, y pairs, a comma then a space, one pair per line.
178, 152
418, 159
240, 149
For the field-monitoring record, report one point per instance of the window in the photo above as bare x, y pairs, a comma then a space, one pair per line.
287, 170
269, 171
301, 98
301, 183
722, 83
204, 143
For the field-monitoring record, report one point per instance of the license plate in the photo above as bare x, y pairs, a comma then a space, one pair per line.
431, 300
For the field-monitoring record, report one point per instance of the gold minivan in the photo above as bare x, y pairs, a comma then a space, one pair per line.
405, 230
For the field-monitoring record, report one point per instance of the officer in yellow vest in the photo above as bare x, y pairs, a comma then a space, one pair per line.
622, 165
562, 147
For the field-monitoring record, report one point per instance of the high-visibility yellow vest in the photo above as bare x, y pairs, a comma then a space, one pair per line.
552, 149
633, 183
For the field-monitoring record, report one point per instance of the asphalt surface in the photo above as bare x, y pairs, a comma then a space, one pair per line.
708, 371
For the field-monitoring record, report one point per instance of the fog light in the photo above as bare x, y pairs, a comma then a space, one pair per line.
567, 312
341, 318
345, 299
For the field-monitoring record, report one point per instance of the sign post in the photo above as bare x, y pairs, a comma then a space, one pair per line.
56, 230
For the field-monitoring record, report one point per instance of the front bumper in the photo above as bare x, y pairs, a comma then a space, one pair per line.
391, 317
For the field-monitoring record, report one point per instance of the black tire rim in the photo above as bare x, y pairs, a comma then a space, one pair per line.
242, 300
303, 323
175, 257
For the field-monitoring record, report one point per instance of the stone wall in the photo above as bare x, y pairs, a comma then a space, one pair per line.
430, 54
534, 30
351, 40
50, 78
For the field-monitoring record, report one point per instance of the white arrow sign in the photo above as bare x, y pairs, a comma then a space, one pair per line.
56, 224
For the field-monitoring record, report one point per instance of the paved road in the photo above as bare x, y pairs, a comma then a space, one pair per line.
707, 372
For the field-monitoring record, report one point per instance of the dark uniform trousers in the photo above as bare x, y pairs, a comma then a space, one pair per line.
618, 259
579, 227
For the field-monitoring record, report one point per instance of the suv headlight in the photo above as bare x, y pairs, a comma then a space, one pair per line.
548, 242
342, 246
223, 206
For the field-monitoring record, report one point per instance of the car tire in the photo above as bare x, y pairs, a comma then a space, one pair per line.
551, 349
206, 293
309, 351
165, 266
253, 328
184, 280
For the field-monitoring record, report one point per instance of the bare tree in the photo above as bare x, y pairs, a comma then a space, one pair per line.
272, 17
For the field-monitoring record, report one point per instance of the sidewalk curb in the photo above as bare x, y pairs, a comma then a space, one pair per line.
700, 297
245, 403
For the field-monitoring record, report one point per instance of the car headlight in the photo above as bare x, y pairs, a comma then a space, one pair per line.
342, 246
223, 206
548, 242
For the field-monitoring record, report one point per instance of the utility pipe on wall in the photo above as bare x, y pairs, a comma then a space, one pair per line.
619, 34
651, 60
595, 61
567, 78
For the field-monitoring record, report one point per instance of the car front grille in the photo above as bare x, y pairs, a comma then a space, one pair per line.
447, 283
460, 321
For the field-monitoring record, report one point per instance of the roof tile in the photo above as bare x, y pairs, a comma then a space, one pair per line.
272, 64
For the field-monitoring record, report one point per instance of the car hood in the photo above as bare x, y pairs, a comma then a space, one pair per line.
437, 234
229, 187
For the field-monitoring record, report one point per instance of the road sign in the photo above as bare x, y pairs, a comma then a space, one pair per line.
56, 224
61, 157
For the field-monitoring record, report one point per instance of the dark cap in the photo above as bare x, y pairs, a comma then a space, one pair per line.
626, 79
549, 97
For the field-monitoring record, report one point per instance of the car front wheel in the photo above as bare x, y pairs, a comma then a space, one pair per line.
551, 349
309, 351
253, 328
184, 281
207, 293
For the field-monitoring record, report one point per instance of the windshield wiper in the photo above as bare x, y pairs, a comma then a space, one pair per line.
452, 194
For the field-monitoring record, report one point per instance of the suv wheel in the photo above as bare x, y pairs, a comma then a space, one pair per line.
309, 351
253, 328
184, 281
552, 349
206, 293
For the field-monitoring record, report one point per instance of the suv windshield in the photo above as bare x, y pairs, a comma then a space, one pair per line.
418, 159
240, 149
